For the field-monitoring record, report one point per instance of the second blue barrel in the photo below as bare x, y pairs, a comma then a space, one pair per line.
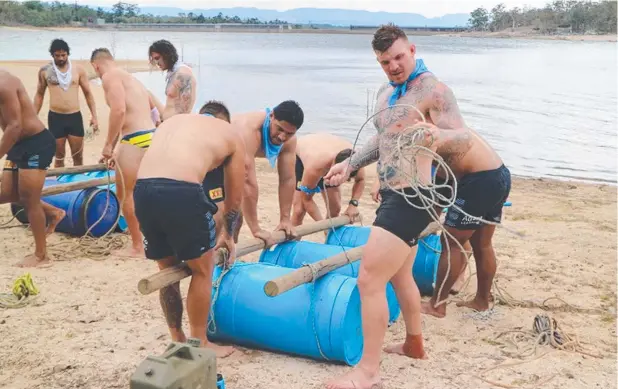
294, 254
83, 209
320, 321
66, 178
425, 263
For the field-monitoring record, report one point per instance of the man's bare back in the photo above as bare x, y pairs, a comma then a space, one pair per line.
186, 147
30, 123
319, 150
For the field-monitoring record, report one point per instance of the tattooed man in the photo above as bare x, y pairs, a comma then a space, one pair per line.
181, 86
175, 215
390, 251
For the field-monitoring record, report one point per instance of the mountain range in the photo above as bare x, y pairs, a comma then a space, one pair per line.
336, 17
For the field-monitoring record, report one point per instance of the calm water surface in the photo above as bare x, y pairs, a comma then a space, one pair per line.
548, 107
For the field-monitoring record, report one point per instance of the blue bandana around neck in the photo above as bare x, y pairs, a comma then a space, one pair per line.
271, 151
400, 89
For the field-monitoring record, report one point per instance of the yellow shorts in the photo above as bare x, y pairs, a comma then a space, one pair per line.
141, 139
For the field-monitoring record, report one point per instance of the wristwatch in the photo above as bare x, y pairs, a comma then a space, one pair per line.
354, 202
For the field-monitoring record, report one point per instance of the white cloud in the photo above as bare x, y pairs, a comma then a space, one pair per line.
428, 8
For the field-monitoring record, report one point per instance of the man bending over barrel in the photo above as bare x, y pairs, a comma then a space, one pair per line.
176, 216
315, 155
29, 148
129, 119
484, 184
271, 135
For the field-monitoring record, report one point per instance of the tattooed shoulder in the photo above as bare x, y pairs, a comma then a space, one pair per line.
181, 90
444, 110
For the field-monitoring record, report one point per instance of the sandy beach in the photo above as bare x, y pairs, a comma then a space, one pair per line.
90, 327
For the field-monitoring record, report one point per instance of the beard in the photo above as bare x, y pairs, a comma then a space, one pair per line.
60, 63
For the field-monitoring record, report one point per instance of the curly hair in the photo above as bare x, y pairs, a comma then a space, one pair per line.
59, 45
167, 51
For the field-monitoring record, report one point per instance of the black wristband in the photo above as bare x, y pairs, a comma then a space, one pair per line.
354, 202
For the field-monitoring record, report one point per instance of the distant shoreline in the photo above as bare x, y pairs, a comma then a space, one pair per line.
471, 34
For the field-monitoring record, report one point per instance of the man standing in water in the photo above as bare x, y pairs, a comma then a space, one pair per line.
176, 216
271, 135
391, 248
129, 119
65, 118
181, 87
29, 148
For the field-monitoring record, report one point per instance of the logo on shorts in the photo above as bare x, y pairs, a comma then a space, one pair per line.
9, 165
469, 220
297, 184
216, 193
33, 161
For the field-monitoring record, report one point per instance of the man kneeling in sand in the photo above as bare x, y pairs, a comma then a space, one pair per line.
176, 216
130, 118
29, 148
484, 184
315, 155
271, 135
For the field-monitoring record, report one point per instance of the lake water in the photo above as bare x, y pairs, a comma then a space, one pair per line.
548, 107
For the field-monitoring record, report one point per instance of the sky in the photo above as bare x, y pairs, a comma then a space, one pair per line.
427, 8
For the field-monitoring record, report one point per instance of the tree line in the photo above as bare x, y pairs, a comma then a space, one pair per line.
579, 17
52, 14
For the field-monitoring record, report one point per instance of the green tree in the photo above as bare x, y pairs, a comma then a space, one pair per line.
479, 19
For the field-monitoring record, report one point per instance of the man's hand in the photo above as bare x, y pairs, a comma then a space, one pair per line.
227, 242
286, 226
352, 212
266, 237
338, 174
375, 192
107, 156
94, 123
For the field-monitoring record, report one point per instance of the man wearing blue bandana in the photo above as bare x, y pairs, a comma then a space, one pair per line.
390, 251
270, 134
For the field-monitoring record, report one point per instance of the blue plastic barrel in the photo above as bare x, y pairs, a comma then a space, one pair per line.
425, 263
294, 254
65, 178
83, 210
320, 320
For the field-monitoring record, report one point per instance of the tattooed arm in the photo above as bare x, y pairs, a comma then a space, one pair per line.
444, 110
180, 91
369, 154
234, 181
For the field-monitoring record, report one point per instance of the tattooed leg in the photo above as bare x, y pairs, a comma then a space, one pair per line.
171, 303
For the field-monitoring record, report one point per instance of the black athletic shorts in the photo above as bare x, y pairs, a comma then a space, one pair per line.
480, 194
398, 217
213, 185
175, 218
65, 124
300, 170
35, 152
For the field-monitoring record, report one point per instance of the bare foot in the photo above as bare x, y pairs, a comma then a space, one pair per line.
130, 252
398, 349
476, 304
56, 218
33, 261
356, 379
221, 351
428, 309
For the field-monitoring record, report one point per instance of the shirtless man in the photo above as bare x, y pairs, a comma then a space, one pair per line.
315, 155
391, 248
271, 135
484, 184
65, 118
181, 86
176, 216
29, 148
129, 119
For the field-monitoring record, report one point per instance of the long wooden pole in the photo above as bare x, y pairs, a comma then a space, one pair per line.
306, 274
74, 170
176, 273
57, 189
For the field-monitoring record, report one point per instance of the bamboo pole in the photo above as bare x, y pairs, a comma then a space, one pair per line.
74, 170
306, 274
176, 273
57, 189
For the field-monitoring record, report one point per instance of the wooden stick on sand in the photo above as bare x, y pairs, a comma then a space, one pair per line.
306, 274
57, 189
176, 273
74, 170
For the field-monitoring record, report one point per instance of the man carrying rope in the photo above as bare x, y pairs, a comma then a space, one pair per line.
181, 86
29, 148
129, 119
402, 215
64, 118
315, 155
271, 135
483, 185
176, 216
